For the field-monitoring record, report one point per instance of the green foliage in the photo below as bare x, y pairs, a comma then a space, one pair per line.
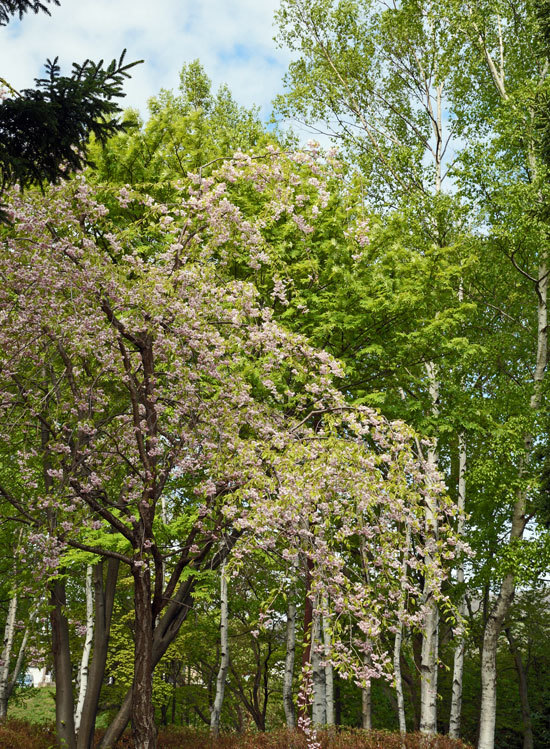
184, 131
44, 131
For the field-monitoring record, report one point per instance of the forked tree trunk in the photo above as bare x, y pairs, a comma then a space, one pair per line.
164, 634
288, 701
9, 631
84, 661
104, 599
458, 666
64, 705
144, 731
216, 711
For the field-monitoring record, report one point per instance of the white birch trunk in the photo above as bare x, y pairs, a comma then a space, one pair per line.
215, 713
329, 677
399, 680
288, 702
429, 652
85, 660
9, 631
318, 710
458, 666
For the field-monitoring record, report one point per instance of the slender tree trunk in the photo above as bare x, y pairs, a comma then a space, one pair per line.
458, 666
83, 672
523, 691
9, 631
144, 731
104, 599
216, 710
329, 676
399, 639
366, 707
288, 702
21, 654
64, 705
399, 680
430, 644
318, 715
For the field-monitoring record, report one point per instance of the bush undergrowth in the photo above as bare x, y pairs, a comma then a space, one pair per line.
17, 734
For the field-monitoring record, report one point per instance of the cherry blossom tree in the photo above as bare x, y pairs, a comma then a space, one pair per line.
168, 421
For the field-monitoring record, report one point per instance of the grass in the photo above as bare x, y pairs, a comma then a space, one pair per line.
18, 734
34, 705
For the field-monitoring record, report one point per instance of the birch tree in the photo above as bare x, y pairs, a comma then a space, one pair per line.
375, 77
506, 63
82, 681
215, 713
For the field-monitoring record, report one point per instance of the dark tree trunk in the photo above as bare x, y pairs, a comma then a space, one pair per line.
523, 693
144, 731
104, 599
64, 705
164, 634
337, 701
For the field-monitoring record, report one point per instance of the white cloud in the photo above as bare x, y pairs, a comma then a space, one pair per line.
232, 39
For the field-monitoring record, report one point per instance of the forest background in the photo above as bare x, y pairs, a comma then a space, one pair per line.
415, 254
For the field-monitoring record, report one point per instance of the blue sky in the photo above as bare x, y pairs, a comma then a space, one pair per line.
232, 38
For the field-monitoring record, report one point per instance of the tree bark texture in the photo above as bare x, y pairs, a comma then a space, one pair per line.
317, 673
164, 634
366, 707
84, 661
7, 647
329, 676
430, 631
216, 710
144, 731
458, 664
64, 705
288, 701
104, 595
